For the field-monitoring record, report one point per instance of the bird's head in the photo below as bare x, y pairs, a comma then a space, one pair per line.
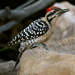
53, 13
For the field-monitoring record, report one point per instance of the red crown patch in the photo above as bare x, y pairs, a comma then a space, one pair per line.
50, 8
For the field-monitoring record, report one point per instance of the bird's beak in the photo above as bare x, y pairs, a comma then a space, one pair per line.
62, 12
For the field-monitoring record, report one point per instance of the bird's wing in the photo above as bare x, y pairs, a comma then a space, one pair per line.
34, 30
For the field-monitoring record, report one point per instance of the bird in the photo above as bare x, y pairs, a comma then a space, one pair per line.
38, 32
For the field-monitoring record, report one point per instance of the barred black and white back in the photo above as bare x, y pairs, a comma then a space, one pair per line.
30, 33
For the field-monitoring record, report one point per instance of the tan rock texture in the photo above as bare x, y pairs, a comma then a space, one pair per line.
39, 61
6, 68
43, 62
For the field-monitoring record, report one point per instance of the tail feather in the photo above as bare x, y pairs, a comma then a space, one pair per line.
16, 40
13, 42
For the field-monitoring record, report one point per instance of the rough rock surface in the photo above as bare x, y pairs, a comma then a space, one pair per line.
39, 61
42, 62
6, 68
64, 46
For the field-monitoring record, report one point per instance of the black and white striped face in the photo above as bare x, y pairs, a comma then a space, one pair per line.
52, 14
55, 13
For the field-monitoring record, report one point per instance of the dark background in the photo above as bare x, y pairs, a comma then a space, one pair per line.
15, 3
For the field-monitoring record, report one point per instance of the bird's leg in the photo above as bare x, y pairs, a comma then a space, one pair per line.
38, 44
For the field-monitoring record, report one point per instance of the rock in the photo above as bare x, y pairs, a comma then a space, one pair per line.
39, 61
43, 62
6, 68
65, 46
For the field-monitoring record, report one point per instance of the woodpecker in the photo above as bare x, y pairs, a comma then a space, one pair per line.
38, 32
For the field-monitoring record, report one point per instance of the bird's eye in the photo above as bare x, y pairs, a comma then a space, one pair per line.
51, 13
54, 11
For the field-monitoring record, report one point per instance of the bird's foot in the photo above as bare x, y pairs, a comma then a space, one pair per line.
38, 44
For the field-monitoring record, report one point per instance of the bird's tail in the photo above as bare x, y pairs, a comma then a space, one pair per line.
9, 45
